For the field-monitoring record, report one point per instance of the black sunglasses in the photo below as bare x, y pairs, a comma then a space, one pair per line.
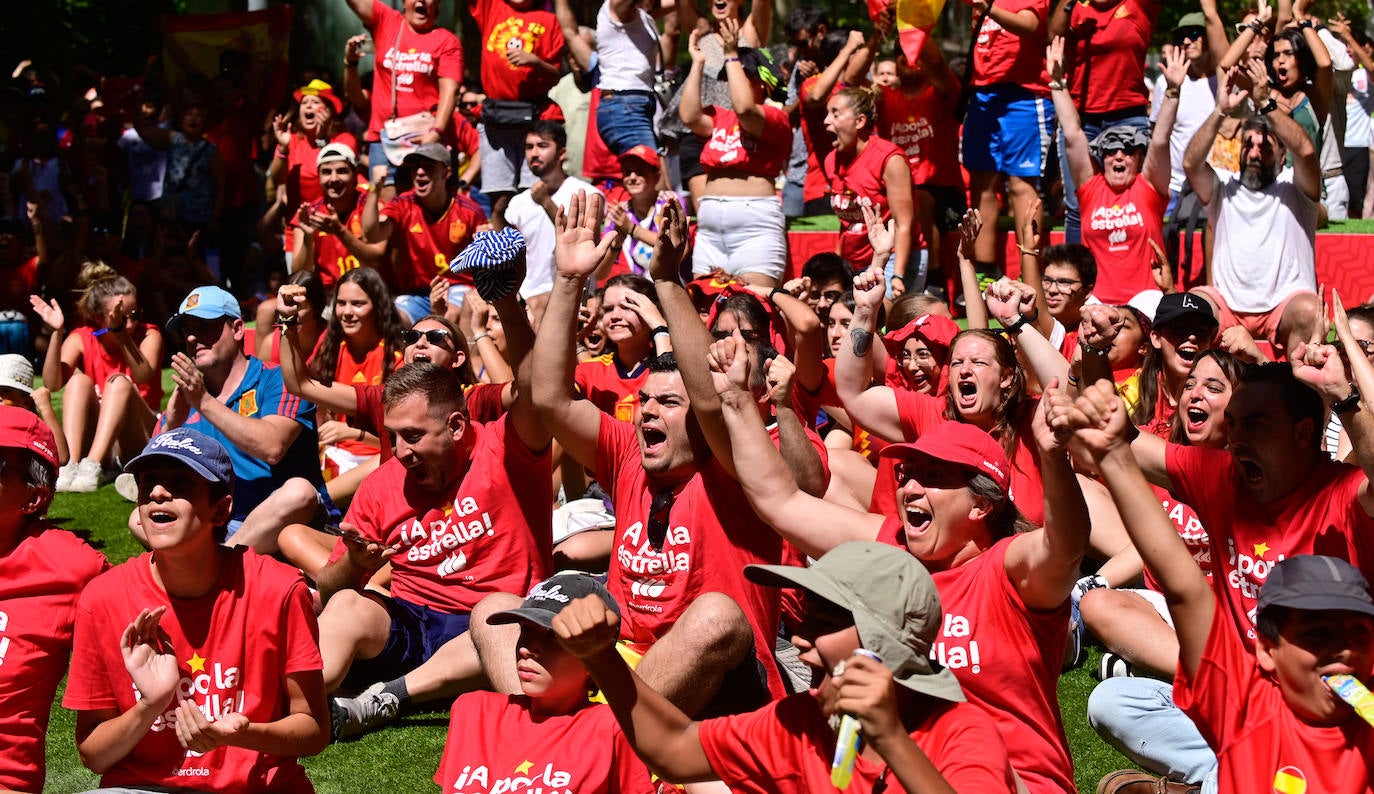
659, 509
1187, 35
436, 336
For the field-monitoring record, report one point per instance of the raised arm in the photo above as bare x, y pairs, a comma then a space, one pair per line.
1099, 419
758, 24
519, 344
1013, 304
1195, 165
976, 310
874, 407
1324, 80
363, 10
826, 81
808, 522
578, 48
575, 423
295, 374
800, 455
689, 109
1075, 141
1215, 26
1157, 167
1043, 565
747, 110
1307, 170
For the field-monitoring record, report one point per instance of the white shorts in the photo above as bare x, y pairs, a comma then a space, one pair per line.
740, 234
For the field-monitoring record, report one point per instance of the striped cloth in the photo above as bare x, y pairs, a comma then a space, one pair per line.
495, 261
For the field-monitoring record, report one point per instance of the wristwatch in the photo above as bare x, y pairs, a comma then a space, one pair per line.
1022, 321
1270, 105
1349, 404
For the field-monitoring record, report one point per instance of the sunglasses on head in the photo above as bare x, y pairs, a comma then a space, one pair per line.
435, 336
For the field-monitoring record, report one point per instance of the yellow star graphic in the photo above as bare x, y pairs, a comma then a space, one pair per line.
197, 662
524, 768
1261, 548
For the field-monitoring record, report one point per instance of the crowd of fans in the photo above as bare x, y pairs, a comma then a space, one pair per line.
498, 387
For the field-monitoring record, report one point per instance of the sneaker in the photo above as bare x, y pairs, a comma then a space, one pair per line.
126, 485
1113, 665
1076, 648
368, 711
1132, 781
64, 477
87, 477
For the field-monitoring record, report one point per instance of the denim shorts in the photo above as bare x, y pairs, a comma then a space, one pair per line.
626, 120
416, 633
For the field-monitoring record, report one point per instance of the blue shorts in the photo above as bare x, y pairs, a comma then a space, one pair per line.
1008, 131
416, 633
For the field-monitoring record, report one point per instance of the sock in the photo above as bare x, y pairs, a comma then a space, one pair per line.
397, 687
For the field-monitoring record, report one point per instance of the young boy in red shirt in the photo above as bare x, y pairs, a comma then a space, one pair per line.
1271, 717
196, 665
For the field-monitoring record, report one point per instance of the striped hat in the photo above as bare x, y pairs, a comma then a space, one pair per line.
495, 261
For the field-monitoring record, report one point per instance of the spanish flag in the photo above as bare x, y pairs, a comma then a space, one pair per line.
915, 18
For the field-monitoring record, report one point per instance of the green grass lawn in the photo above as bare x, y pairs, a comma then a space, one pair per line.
404, 756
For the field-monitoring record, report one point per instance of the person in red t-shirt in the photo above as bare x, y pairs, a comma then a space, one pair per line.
1271, 716
741, 229
1123, 183
872, 616
328, 231
425, 227
43, 570
522, 50
1004, 584
301, 142
108, 371
632, 321
1108, 41
549, 734
196, 665
417, 70
864, 170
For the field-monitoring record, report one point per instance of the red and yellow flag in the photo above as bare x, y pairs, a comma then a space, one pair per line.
915, 19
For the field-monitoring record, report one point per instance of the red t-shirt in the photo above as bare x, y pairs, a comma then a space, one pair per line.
332, 259
415, 61
490, 533
608, 387
483, 404
1107, 60
924, 127
41, 579
424, 249
506, 28
731, 148
1261, 745
920, 412
699, 555
495, 744
819, 142
302, 175
367, 372
1117, 228
786, 748
17, 284
1006, 657
102, 364
1323, 516
853, 182
1000, 56
1189, 528
234, 647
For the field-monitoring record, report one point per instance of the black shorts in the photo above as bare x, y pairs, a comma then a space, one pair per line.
689, 151
950, 206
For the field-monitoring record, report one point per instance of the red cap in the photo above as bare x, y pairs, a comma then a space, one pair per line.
960, 443
322, 90
640, 152
933, 329
20, 429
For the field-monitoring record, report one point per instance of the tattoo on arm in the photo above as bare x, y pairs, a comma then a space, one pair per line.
862, 341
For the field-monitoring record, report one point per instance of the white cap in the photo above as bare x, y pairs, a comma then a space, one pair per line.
16, 372
336, 151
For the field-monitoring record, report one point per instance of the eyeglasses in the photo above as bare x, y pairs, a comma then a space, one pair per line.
829, 296
1187, 34
659, 509
1060, 284
1366, 345
435, 336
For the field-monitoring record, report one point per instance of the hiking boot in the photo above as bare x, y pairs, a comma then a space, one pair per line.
1133, 781
350, 717
87, 477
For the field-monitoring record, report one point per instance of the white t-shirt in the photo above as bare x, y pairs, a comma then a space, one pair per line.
1358, 103
534, 223
1264, 241
147, 166
1197, 98
626, 50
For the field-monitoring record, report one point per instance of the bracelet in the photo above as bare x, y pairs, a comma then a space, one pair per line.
661, 330
282, 152
1270, 105
1071, 379
1349, 404
732, 59
1255, 27
1306, 24
1097, 351
284, 320
1057, 85
1022, 321
480, 337
773, 296
1171, 92
1035, 252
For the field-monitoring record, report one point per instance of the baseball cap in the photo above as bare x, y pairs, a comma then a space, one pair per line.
1121, 136
20, 429
16, 372
1193, 20
894, 602
933, 329
428, 151
208, 303
960, 443
640, 152
336, 152
550, 596
1313, 582
1177, 305
322, 90
191, 448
